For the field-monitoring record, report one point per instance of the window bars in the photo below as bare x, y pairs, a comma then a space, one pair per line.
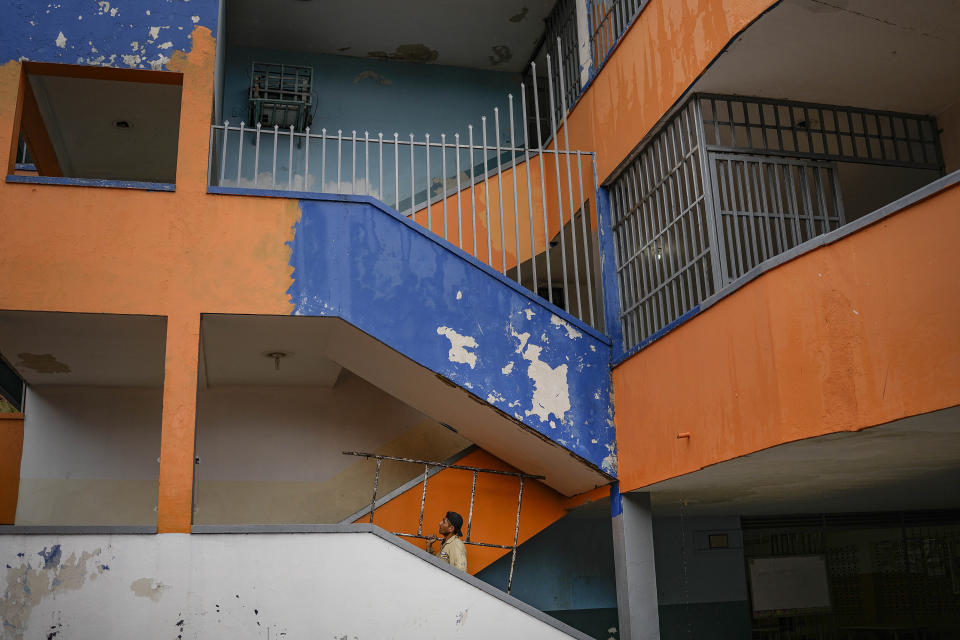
729, 182
522, 209
608, 20
427, 466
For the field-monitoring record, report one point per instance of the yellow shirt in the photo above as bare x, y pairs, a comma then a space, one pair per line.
454, 553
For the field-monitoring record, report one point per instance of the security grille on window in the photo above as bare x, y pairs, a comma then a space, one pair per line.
730, 182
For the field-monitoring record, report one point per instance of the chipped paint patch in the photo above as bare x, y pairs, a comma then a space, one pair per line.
61, 41
381, 80
458, 347
572, 333
494, 397
529, 313
551, 392
148, 588
459, 295
27, 587
507, 370
42, 363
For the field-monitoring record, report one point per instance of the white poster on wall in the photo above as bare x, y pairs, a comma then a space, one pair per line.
789, 583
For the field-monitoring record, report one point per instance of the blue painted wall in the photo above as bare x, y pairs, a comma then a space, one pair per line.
376, 96
137, 34
449, 313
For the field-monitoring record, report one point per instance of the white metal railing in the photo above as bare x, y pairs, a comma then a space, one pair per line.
506, 204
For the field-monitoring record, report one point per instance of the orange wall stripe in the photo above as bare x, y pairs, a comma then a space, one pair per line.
11, 452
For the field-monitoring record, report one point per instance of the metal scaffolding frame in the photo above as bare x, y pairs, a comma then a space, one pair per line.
427, 465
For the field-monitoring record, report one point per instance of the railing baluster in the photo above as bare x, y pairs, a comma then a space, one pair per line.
223, 155
486, 189
456, 138
473, 192
413, 213
339, 157
396, 170
323, 160
443, 179
423, 498
256, 158
306, 162
353, 162
516, 537
240, 154
503, 243
380, 179
513, 170
366, 162
566, 146
276, 134
290, 162
429, 220
526, 164
543, 188
556, 166
376, 484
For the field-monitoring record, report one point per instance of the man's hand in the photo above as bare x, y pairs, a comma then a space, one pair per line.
430, 541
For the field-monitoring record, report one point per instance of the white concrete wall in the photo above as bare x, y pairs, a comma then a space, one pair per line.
90, 455
237, 586
271, 455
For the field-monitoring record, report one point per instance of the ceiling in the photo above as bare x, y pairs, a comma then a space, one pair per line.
494, 34
232, 353
88, 349
80, 115
236, 350
881, 54
909, 464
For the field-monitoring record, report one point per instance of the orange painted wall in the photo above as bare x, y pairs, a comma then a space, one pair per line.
178, 255
11, 450
494, 509
851, 335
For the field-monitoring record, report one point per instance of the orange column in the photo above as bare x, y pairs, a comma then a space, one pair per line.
175, 504
11, 450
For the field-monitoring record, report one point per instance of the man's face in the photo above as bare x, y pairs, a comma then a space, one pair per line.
445, 528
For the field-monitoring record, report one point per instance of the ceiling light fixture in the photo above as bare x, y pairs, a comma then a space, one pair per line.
277, 356
122, 124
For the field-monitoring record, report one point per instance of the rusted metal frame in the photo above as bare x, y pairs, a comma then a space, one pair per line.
443, 465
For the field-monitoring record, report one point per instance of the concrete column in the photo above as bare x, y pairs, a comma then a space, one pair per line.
633, 559
178, 424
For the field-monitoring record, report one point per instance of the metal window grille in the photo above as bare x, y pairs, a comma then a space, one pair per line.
561, 27
280, 94
819, 131
427, 466
660, 227
768, 205
728, 182
609, 19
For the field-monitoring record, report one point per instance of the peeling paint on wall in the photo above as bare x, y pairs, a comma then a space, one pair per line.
501, 54
102, 33
458, 347
419, 296
408, 53
27, 586
42, 363
148, 588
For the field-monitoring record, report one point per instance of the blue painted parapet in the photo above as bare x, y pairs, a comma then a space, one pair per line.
356, 259
136, 34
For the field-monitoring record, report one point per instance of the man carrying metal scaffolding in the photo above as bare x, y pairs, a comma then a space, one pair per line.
452, 550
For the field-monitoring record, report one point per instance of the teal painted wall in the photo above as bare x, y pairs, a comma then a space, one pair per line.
375, 96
